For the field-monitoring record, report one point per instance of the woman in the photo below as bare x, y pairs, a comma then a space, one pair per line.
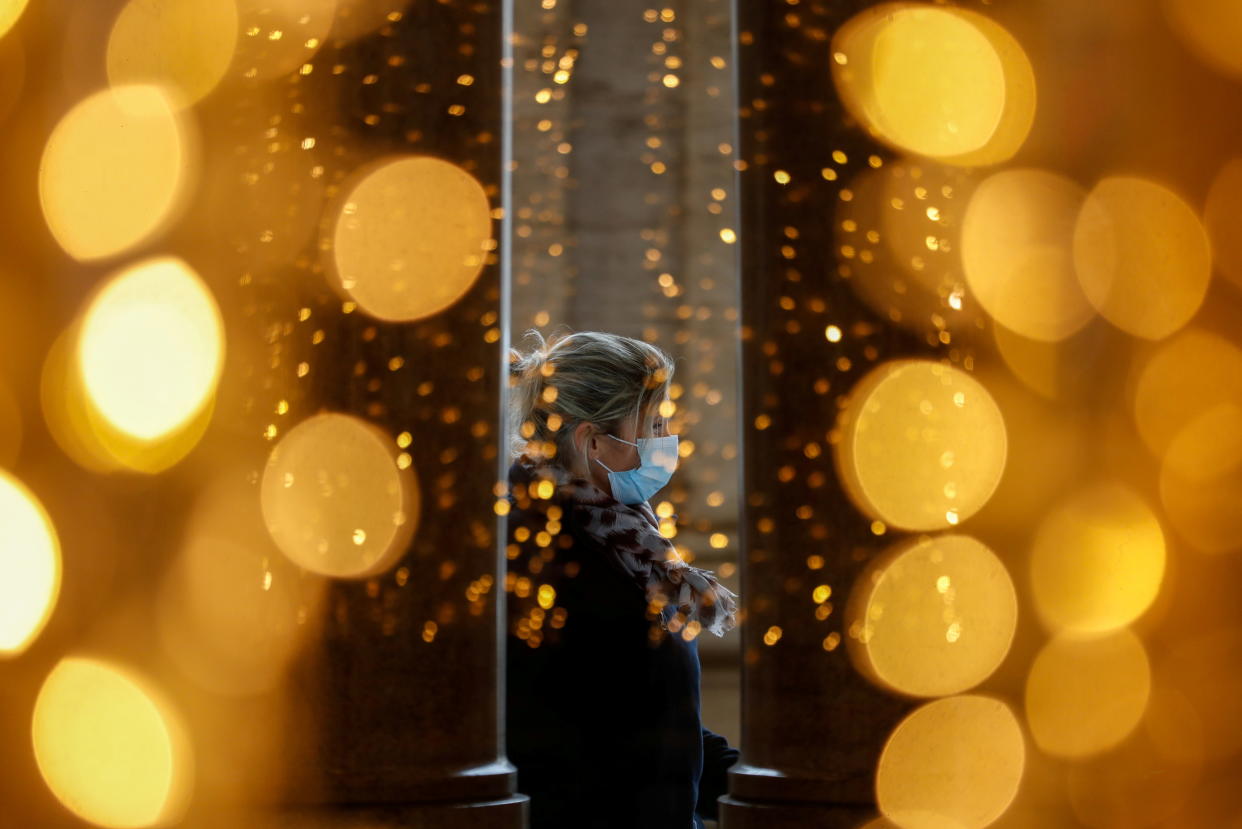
602, 667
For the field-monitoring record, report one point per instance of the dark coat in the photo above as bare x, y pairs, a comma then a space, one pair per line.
602, 716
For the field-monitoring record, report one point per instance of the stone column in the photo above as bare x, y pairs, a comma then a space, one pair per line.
397, 707
812, 728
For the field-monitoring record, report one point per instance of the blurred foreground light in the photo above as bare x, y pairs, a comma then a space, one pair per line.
1098, 560
411, 237
115, 171
1211, 29
1142, 256
1187, 376
1017, 252
1020, 95
90, 438
183, 44
30, 566
151, 348
1084, 696
1201, 480
955, 762
935, 82
920, 78
10, 11
1220, 215
922, 445
933, 617
109, 747
335, 500
278, 37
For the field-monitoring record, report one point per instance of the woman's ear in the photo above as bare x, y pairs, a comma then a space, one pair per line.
584, 438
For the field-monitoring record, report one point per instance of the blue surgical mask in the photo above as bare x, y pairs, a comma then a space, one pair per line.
657, 460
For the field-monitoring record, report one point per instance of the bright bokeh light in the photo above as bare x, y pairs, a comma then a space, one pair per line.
183, 44
933, 617
66, 410
279, 37
1220, 216
110, 749
1097, 561
922, 446
1211, 29
335, 500
1017, 253
1190, 374
10, 11
151, 348
1084, 696
1020, 94
411, 237
954, 763
1142, 256
114, 171
920, 78
30, 566
1201, 480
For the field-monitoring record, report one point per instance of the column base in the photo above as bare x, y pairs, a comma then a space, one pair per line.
504, 813
742, 814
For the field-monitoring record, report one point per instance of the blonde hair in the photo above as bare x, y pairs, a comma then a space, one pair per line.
584, 377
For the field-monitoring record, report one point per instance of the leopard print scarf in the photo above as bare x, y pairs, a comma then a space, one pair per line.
630, 533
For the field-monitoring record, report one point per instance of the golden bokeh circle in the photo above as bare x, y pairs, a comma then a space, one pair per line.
955, 762
1191, 373
10, 12
1098, 560
1017, 253
151, 348
1142, 256
30, 566
411, 237
1211, 29
108, 745
335, 500
934, 616
114, 171
922, 445
920, 78
1084, 696
1020, 95
183, 44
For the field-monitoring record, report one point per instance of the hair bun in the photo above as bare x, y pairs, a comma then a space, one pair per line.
528, 364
